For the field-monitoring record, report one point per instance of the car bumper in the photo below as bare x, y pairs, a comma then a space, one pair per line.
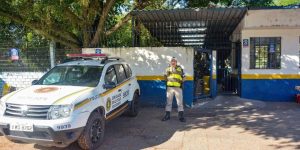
43, 135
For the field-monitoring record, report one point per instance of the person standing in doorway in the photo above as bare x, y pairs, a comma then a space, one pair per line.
174, 77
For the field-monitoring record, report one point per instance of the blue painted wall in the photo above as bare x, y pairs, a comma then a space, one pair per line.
1, 87
214, 88
269, 89
154, 92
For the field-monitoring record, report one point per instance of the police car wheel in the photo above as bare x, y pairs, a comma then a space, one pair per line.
93, 134
134, 107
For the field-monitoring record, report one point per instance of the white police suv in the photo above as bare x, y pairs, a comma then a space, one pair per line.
71, 102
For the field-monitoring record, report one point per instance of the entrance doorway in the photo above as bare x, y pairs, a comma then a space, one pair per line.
228, 70
202, 73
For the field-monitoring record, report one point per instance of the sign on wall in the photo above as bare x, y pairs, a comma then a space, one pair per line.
272, 48
98, 51
245, 42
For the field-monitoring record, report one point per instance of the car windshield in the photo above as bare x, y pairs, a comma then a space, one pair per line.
73, 76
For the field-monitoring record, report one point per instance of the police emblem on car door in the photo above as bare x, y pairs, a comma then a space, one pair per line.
112, 94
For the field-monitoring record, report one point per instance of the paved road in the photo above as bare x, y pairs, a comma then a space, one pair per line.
223, 123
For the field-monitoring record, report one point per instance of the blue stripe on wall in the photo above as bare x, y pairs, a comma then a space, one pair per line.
270, 90
154, 92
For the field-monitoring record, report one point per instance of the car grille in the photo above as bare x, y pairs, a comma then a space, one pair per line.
34, 135
32, 111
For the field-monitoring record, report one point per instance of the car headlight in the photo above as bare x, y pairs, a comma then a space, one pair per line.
59, 111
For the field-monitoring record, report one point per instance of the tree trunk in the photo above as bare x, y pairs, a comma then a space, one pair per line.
100, 28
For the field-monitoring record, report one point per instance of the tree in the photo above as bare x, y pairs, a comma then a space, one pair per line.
225, 3
286, 2
73, 23
87, 23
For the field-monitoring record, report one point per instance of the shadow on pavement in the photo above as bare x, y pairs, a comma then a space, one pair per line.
272, 120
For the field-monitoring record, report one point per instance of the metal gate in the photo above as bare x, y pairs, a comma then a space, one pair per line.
228, 70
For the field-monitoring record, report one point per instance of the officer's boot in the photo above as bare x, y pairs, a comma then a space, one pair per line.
167, 116
181, 117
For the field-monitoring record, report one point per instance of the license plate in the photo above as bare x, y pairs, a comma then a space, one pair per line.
21, 127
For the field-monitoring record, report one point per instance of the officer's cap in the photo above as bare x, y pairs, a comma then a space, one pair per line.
174, 59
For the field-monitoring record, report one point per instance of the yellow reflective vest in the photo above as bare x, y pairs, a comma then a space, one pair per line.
5, 89
174, 76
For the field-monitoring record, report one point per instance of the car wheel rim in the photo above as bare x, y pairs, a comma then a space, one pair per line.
96, 131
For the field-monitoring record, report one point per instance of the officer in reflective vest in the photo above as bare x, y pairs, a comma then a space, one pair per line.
174, 77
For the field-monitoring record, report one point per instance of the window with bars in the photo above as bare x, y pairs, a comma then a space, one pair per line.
265, 52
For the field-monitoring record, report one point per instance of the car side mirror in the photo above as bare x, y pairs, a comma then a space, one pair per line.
109, 85
34, 82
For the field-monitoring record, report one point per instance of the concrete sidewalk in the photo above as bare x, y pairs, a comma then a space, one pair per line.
223, 123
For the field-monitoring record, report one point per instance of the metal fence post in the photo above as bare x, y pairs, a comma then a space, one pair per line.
52, 53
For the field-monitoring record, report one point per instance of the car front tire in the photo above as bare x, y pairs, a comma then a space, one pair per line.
93, 134
134, 106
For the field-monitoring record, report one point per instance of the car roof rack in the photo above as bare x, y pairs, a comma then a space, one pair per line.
101, 57
109, 59
87, 55
75, 59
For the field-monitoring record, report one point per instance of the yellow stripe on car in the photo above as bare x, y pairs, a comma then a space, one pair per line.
72, 94
116, 112
82, 103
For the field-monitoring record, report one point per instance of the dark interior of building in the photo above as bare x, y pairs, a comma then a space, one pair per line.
206, 30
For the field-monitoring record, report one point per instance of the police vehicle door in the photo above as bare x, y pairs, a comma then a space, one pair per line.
130, 83
122, 80
112, 98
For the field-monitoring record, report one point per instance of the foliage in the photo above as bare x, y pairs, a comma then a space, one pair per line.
74, 23
16, 35
226, 3
92, 23
286, 2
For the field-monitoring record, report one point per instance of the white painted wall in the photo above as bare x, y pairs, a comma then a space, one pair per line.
236, 35
151, 61
20, 79
272, 18
289, 50
214, 64
284, 23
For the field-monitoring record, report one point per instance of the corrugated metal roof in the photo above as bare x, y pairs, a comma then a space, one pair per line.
191, 27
